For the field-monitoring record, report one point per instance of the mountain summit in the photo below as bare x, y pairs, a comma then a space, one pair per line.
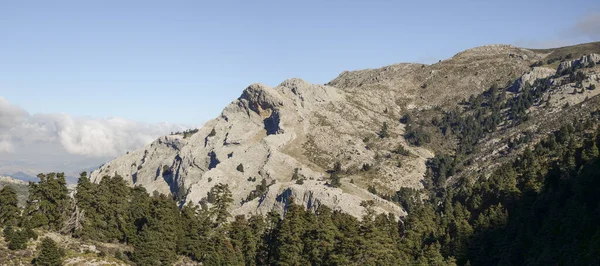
364, 135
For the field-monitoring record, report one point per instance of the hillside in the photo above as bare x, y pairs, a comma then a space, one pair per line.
488, 158
292, 135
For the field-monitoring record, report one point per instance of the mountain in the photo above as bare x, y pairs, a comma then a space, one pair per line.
378, 130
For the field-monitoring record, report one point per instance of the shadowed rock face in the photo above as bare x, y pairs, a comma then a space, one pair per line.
300, 130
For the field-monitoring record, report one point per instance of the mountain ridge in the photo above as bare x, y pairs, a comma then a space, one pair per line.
271, 132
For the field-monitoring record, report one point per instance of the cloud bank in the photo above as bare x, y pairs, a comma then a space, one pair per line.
106, 137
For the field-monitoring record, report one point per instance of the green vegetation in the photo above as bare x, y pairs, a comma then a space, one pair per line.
401, 151
212, 133
9, 210
48, 202
511, 217
335, 178
383, 133
17, 239
50, 254
416, 136
539, 208
186, 133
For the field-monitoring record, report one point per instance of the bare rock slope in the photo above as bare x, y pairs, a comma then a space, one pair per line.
292, 134
258, 136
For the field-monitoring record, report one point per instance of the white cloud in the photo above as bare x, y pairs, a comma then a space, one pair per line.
6, 146
106, 137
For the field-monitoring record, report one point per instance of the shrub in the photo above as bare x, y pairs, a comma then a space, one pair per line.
335, 180
592, 87
406, 119
416, 136
50, 254
296, 175
17, 239
337, 167
372, 190
401, 150
300, 181
119, 255
366, 167
189, 133
258, 191
537, 64
383, 133
166, 170
240, 168
212, 133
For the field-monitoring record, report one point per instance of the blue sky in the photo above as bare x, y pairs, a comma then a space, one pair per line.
183, 61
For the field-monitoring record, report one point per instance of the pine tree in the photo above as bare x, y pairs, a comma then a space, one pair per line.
383, 133
85, 198
18, 240
50, 254
148, 250
221, 200
378, 248
590, 150
289, 246
320, 240
157, 241
9, 210
48, 203
243, 240
197, 225
335, 180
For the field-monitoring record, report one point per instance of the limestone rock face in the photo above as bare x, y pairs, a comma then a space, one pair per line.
530, 77
289, 136
264, 131
584, 60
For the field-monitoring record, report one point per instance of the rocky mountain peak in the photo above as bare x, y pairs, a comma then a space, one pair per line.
274, 145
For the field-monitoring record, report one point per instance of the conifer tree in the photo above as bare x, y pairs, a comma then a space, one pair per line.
9, 210
320, 239
48, 202
590, 150
50, 254
157, 241
221, 200
289, 244
243, 239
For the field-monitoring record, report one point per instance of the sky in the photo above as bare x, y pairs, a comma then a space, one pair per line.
125, 72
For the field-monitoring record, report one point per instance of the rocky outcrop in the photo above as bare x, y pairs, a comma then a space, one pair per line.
583, 61
261, 130
530, 77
